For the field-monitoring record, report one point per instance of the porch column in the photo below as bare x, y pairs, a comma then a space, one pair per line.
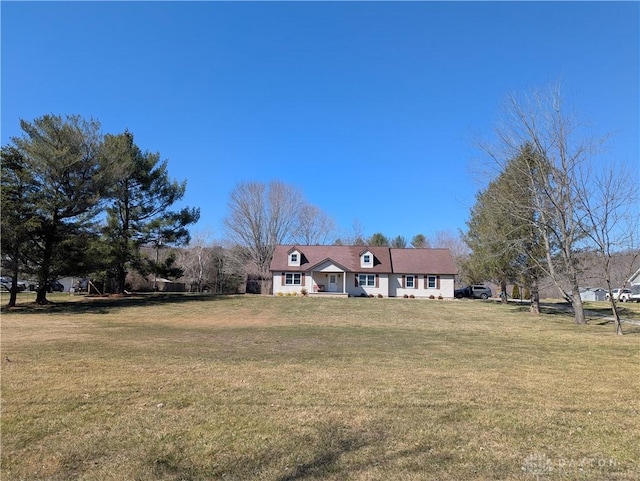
344, 282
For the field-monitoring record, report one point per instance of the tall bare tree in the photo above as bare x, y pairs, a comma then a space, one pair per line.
315, 227
611, 221
262, 216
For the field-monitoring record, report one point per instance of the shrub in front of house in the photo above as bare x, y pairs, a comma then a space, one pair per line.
412, 296
432, 296
379, 296
406, 296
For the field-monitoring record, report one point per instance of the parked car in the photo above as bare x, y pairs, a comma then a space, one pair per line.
55, 286
5, 284
622, 295
52, 286
473, 292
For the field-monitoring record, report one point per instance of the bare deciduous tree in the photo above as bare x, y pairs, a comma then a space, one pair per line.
261, 217
446, 239
610, 221
355, 237
197, 260
315, 227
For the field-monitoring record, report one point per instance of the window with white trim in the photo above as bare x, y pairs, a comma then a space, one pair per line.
293, 279
366, 260
431, 282
410, 282
294, 258
366, 280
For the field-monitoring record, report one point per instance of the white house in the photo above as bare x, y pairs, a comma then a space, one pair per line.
634, 280
363, 271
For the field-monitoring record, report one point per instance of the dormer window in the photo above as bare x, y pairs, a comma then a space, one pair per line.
294, 258
366, 260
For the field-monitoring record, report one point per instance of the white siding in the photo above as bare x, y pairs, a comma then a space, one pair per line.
279, 285
421, 290
382, 285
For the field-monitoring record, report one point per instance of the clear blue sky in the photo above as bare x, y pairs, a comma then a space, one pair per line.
371, 109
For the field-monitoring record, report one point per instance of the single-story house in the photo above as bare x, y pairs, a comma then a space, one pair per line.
592, 294
363, 271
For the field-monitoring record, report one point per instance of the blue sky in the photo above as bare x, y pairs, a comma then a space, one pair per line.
371, 109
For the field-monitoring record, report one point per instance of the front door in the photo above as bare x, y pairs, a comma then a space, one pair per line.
333, 283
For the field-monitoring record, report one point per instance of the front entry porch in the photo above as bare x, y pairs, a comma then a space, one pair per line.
329, 282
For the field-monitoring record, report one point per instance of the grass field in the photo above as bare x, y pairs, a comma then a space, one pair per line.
267, 388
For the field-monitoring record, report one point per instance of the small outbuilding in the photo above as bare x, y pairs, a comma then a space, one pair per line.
592, 294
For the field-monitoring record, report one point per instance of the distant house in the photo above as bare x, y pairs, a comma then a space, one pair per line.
363, 271
592, 294
634, 280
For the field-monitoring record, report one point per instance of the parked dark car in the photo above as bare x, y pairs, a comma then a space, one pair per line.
473, 292
53, 286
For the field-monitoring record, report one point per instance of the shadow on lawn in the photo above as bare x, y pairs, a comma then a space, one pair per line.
106, 304
598, 315
333, 441
340, 449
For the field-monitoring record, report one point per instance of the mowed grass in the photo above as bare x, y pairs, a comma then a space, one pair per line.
267, 388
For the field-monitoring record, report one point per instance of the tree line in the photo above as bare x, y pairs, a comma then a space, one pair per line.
75, 201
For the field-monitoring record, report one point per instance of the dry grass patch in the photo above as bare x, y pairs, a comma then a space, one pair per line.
199, 388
